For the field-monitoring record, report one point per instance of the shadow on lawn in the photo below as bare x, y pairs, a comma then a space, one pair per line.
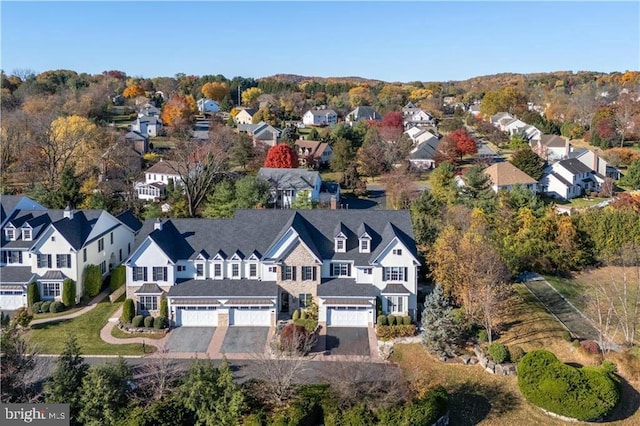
472, 402
629, 402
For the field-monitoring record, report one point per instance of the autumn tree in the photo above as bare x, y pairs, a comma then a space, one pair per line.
178, 111
359, 96
399, 189
215, 90
372, 158
343, 155
443, 184
603, 131
393, 119
392, 96
133, 91
250, 96
282, 156
529, 162
465, 143
508, 99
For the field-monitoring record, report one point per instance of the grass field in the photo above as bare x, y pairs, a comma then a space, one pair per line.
50, 338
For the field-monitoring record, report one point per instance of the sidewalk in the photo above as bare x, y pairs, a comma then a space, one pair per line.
92, 304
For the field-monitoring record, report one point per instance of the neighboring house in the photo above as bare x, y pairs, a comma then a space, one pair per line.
366, 113
147, 125
321, 152
11, 203
568, 179
424, 155
261, 132
474, 110
208, 105
495, 119
149, 110
120, 162
264, 264
156, 179
288, 183
551, 147
512, 125
320, 117
49, 246
596, 163
245, 116
138, 142
530, 133
414, 116
504, 176
419, 135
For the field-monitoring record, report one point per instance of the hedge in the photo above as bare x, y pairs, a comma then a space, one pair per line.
148, 321
69, 292
382, 320
161, 322
499, 353
391, 319
393, 331
92, 280
128, 311
587, 393
45, 306
56, 307
137, 321
37, 307
164, 307
33, 294
118, 278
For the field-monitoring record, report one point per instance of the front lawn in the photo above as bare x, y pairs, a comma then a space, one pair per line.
57, 314
50, 338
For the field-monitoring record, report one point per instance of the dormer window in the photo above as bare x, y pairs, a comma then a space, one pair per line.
340, 244
26, 234
10, 233
365, 243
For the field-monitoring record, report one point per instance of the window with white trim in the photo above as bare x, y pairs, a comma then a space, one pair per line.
51, 289
26, 234
100, 245
103, 267
44, 261
288, 273
159, 273
397, 252
10, 234
217, 270
273, 269
367, 271
304, 300
181, 268
199, 270
63, 260
147, 303
308, 273
13, 257
235, 270
253, 270
340, 269
364, 245
341, 245
395, 304
394, 273
139, 273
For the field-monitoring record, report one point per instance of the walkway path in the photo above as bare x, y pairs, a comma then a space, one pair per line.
105, 335
92, 304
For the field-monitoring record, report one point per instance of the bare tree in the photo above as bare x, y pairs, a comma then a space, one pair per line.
156, 377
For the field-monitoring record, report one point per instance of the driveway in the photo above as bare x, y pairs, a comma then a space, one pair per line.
190, 339
245, 340
348, 341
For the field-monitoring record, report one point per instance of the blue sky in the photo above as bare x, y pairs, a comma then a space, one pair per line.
394, 41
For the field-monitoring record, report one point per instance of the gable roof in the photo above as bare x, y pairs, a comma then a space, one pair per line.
553, 141
504, 174
365, 113
316, 148
322, 112
427, 150
77, 230
166, 167
129, 220
298, 179
9, 203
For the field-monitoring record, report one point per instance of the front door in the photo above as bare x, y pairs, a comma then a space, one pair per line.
284, 302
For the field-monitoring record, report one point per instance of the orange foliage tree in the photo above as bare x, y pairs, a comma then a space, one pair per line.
133, 91
178, 110
215, 90
281, 156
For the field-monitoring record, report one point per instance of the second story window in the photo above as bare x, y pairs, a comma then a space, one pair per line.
159, 273
288, 273
217, 270
395, 273
26, 234
100, 245
44, 261
63, 260
341, 269
199, 270
235, 270
308, 273
10, 233
111, 238
84, 254
13, 257
139, 273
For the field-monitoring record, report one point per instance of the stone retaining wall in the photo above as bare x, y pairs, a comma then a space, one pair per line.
117, 293
507, 369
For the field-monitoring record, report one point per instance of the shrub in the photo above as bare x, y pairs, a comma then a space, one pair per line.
22, 317
309, 324
161, 322
516, 353
426, 410
391, 319
117, 278
392, 331
33, 294
499, 353
148, 321
56, 307
303, 314
566, 336
609, 366
69, 292
45, 306
382, 320
92, 280
295, 339
164, 307
406, 320
482, 336
137, 321
587, 393
590, 347
296, 315
128, 311
575, 343
37, 307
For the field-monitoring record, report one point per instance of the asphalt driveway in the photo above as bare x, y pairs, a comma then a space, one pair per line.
348, 341
245, 340
190, 339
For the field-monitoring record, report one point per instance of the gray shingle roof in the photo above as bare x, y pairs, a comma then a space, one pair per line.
127, 217
427, 150
345, 287
365, 113
149, 288
224, 288
54, 275
395, 289
16, 274
76, 230
574, 166
298, 179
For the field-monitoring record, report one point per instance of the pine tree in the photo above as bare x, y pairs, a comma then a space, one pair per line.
440, 330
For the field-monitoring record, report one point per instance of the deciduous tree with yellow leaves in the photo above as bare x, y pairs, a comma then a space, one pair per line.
215, 90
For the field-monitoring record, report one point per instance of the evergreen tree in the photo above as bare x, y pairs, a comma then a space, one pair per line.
105, 393
529, 162
17, 363
251, 192
33, 294
426, 214
225, 105
65, 383
302, 201
440, 330
69, 192
222, 203
477, 191
632, 177
69, 292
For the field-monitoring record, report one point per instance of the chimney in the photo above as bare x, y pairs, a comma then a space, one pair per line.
68, 213
334, 203
157, 225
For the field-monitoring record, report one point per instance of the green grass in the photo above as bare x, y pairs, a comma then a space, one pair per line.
329, 176
50, 338
571, 289
58, 314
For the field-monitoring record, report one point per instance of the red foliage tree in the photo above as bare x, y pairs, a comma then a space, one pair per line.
465, 143
393, 119
281, 156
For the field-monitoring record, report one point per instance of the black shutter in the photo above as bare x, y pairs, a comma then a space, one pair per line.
293, 273
348, 269
406, 276
314, 273
48, 261
20, 257
282, 273
145, 273
68, 261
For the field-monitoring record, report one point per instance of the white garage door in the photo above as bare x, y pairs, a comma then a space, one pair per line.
346, 316
250, 315
12, 299
197, 316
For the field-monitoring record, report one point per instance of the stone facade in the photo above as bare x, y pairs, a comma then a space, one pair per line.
298, 258
131, 294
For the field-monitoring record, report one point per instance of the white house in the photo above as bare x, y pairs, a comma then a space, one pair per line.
504, 176
50, 246
361, 113
157, 178
568, 179
245, 116
288, 183
262, 264
149, 110
320, 117
147, 125
551, 147
208, 105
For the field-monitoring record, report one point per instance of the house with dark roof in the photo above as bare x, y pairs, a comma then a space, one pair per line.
415, 116
262, 264
568, 179
551, 147
288, 184
423, 156
320, 116
361, 113
598, 164
49, 246
261, 132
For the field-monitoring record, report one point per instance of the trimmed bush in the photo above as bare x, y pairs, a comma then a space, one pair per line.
137, 321
161, 322
609, 366
33, 294
117, 278
392, 331
148, 321
56, 307
575, 343
499, 353
69, 292
587, 393
428, 409
296, 315
37, 307
128, 311
309, 324
566, 336
406, 320
303, 314
164, 307
92, 280
516, 353
590, 347
382, 320
391, 319
482, 336
45, 306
